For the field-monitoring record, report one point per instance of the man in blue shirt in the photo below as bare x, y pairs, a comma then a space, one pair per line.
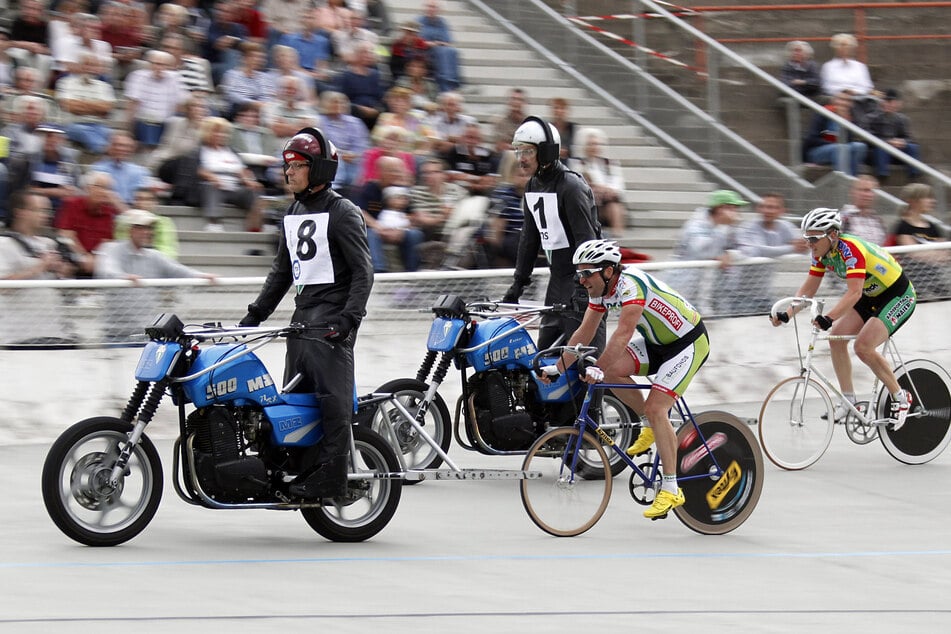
434, 30
127, 177
314, 48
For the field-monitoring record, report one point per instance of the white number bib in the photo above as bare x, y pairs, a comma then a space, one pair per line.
306, 237
544, 209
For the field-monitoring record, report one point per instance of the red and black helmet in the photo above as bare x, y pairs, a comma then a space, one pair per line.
309, 144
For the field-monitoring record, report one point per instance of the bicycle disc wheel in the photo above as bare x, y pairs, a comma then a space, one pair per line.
927, 429
796, 422
718, 504
561, 502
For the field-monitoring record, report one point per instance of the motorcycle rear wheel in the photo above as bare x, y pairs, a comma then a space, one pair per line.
368, 505
76, 489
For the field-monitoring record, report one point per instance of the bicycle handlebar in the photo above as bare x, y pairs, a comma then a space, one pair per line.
585, 353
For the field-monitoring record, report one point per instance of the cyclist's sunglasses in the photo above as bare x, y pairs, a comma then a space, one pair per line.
584, 274
810, 240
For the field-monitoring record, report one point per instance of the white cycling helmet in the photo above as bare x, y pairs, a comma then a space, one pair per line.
822, 219
541, 134
597, 252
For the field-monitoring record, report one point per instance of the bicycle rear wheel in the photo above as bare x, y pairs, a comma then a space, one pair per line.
718, 504
796, 423
562, 502
927, 430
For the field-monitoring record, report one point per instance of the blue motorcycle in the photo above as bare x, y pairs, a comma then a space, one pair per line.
238, 448
504, 406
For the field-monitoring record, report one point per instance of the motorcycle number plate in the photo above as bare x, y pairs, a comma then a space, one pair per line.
157, 358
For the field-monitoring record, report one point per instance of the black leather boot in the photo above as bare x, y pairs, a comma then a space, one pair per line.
326, 480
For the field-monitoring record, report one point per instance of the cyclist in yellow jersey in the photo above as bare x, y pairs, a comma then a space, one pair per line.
878, 300
658, 333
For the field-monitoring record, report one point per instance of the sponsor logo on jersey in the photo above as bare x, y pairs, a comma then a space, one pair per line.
667, 313
899, 310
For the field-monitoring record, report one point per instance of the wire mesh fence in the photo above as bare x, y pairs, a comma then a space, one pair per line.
96, 313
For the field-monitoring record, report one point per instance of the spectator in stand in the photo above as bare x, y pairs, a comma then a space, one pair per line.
224, 179
407, 45
164, 232
449, 122
391, 141
391, 172
377, 17
26, 116
123, 29
843, 73
247, 15
710, 234
287, 64
223, 40
330, 14
289, 111
89, 219
127, 176
443, 56
29, 37
169, 19
917, 225
433, 200
767, 236
605, 178
821, 145
87, 41
154, 95
193, 71
891, 125
129, 310
87, 104
473, 165
564, 125
800, 71
363, 85
350, 136
314, 49
399, 114
505, 124
247, 84
26, 82
54, 171
424, 95
283, 18
32, 316
859, 217
503, 224
179, 137
258, 148
346, 38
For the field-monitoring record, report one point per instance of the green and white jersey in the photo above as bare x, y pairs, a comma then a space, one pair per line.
667, 316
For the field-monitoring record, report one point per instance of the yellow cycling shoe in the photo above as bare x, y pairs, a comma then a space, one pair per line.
664, 502
643, 442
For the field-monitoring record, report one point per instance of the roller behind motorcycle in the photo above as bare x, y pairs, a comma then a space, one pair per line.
504, 406
239, 446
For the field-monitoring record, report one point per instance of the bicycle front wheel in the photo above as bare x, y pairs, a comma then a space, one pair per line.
927, 430
562, 502
796, 423
718, 499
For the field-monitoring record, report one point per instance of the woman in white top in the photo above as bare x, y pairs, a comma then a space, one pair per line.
604, 177
224, 177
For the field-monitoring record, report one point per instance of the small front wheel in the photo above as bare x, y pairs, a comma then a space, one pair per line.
927, 429
78, 492
390, 423
720, 469
796, 423
562, 502
370, 502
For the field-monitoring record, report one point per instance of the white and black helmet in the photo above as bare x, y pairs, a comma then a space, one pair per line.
822, 219
597, 252
541, 134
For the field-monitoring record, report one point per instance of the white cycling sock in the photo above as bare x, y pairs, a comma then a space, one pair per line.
669, 483
850, 397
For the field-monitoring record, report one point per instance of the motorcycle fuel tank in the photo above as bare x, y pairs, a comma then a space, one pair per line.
241, 380
513, 350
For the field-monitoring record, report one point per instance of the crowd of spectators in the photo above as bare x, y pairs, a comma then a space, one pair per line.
189, 102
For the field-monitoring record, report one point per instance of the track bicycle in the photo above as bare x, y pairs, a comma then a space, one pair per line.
798, 416
719, 468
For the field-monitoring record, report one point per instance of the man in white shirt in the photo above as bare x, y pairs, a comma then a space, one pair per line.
86, 103
154, 95
843, 72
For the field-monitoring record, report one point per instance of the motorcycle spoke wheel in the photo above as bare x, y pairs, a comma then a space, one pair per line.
390, 423
77, 491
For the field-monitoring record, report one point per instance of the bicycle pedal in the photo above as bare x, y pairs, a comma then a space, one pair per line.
659, 517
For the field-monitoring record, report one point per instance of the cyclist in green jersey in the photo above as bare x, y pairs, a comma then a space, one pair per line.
878, 300
658, 333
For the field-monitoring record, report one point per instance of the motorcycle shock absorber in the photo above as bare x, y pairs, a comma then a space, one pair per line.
145, 416
440, 375
423, 373
135, 401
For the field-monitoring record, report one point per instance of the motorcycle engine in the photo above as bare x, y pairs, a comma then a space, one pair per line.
495, 407
224, 468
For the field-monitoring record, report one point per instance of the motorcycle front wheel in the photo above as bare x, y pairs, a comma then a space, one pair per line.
389, 422
370, 502
77, 491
